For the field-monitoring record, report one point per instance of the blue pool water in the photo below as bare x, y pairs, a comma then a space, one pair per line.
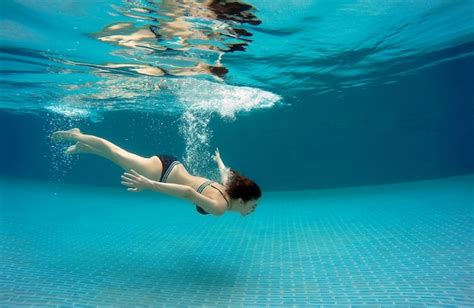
400, 245
356, 118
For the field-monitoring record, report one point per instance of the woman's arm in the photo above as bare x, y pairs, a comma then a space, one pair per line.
223, 170
137, 182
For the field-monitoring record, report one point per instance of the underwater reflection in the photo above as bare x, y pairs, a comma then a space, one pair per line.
180, 38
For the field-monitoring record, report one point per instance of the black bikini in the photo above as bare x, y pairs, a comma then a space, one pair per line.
169, 162
201, 188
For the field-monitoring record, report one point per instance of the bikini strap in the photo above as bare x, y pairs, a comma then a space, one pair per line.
207, 183
164, 177
202, 186
222, 195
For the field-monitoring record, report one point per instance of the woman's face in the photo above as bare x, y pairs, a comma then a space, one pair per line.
248, 207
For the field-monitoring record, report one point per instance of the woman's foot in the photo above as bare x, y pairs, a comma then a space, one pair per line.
77, 148
61, 135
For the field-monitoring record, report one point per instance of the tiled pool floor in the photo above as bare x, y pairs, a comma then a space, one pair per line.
402, 245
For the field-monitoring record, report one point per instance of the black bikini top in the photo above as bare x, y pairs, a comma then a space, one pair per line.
201, 188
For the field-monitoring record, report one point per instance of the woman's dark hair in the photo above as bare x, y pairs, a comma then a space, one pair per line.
239, 186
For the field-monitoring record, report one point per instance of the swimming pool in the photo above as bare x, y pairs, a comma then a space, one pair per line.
397, 245
355, 117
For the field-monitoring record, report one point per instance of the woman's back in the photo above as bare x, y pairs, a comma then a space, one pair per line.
179, 175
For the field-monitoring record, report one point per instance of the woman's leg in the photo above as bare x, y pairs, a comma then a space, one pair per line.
149, 167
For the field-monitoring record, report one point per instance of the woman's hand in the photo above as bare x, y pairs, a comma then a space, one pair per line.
135, 181
217, 156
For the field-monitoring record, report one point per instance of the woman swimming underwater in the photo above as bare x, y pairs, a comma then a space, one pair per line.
164, 173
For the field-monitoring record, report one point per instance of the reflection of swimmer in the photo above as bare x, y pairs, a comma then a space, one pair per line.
183, 21
165, 174
141, 38
208, 27
217, 72
234, 10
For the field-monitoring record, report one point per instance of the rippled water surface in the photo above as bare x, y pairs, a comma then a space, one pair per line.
83, 57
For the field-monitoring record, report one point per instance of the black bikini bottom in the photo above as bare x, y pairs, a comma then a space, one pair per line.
168, 161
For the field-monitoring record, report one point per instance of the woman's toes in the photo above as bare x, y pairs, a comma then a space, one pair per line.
65, 134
